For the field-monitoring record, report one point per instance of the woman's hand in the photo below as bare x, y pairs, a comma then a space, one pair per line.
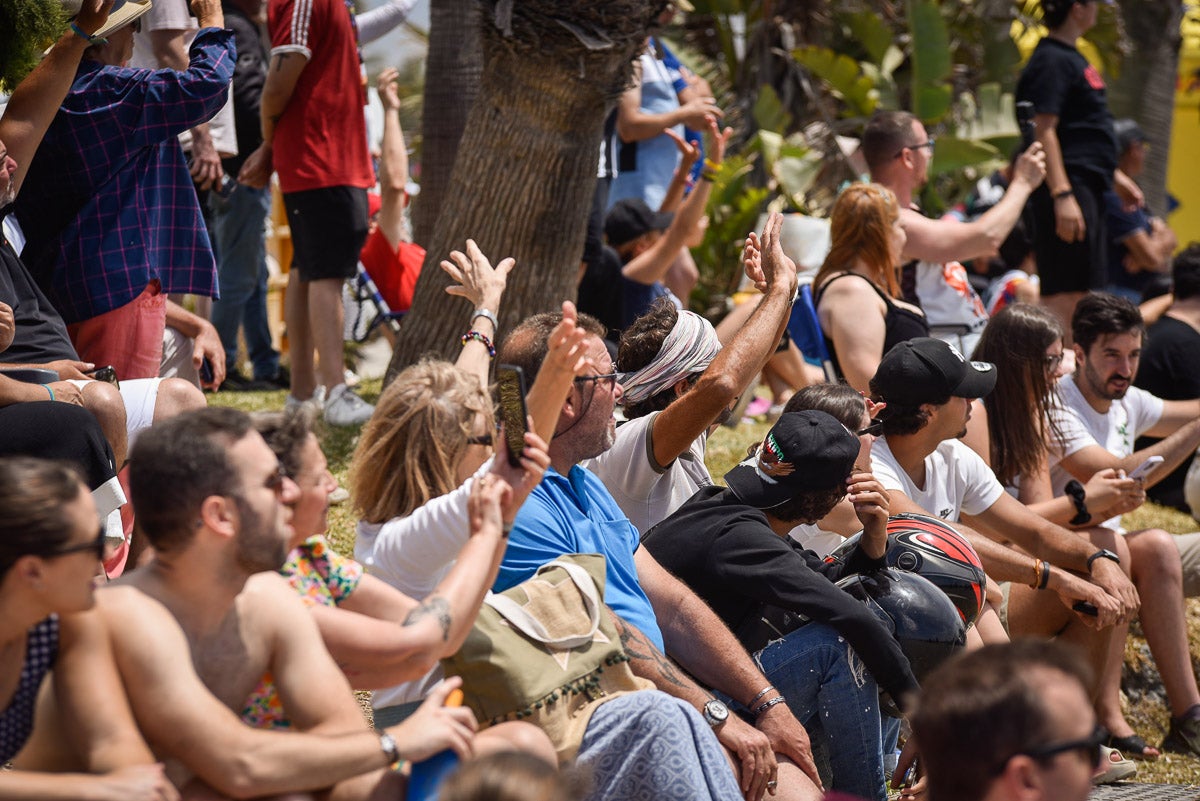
477, 280
535, 458
435, 727
689, 153
485, 504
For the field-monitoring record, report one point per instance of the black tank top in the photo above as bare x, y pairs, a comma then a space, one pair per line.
899, 324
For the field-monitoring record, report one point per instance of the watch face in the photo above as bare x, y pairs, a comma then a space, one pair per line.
715, 713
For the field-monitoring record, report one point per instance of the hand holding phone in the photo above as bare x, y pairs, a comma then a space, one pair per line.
510, 382
1145, 468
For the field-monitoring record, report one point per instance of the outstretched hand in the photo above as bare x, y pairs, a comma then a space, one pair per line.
777, 268
477, 280
689, 153
388, 86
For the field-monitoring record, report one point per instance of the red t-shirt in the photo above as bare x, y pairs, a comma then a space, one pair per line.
321, 138
394, 271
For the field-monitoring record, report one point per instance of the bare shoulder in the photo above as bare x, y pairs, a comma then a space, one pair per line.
269, 603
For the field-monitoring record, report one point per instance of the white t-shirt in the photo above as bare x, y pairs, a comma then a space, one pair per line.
413, 554
172, 15
646, 491
816, 539
957, 480
1081, 426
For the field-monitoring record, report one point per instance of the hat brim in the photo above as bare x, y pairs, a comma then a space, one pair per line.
751, 488
661, 220
123, 13
978, 382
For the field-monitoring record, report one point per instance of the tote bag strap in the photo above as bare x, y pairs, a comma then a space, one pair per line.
527, 624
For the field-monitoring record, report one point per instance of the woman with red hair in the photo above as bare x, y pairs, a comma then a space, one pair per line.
856, 287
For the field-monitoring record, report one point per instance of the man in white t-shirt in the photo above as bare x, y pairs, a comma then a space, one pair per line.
1102, 415
678, 383
928, 387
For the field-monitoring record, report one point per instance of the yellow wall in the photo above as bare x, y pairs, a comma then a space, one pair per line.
1183, 166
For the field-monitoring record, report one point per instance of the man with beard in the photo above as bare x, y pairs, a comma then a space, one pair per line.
196, 630
928, 387
1100, 417
678, 383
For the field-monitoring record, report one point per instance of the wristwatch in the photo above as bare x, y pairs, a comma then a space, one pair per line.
387, 744
1103, 553
715, 713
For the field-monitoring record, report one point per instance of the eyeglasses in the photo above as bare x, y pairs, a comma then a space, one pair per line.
487, 440
596, 379
96, 546
1053, 363
926, 145
875, 429
275, 481
1090, 746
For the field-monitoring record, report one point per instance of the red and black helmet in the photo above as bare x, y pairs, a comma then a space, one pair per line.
931, 548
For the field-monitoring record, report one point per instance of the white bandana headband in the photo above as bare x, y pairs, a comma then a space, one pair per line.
689, 348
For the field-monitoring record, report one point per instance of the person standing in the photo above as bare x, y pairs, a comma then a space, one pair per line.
315, 135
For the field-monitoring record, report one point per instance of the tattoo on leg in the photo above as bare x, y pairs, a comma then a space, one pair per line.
433, 606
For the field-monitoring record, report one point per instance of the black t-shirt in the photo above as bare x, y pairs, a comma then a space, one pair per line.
1170, 369
41, 334
729, 556
1059, 80
600, 292
249, 76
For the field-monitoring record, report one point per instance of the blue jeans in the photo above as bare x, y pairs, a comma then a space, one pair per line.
830, 691
239, 241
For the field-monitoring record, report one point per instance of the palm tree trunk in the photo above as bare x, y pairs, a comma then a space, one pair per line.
1145, 89
452, 70
526, 168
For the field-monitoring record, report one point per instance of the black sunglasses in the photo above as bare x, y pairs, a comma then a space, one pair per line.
481, 439
1090, 746
875, 429
96, 546
596, 379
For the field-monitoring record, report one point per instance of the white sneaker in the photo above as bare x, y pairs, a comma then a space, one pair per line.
344, 408
317, 401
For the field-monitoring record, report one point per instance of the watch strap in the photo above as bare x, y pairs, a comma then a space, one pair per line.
1103, 553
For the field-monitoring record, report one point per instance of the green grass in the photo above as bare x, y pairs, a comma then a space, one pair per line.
726, 448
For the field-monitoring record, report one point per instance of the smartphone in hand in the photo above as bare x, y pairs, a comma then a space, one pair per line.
510, 382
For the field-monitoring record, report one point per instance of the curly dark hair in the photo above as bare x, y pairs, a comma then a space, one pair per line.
808, 506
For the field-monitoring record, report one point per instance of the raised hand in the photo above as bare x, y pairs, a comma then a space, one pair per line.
388, 86
777, 268
477, 280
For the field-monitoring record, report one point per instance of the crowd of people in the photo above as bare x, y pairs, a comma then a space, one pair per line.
177, 625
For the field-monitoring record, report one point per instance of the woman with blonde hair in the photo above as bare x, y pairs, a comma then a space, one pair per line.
856, 287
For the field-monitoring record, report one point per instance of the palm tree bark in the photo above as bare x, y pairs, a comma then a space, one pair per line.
526, 167
1145, 89
452, 70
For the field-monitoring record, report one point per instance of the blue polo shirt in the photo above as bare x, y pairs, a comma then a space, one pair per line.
576, 514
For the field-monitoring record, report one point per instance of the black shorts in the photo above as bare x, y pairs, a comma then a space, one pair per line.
329, 227
1071, 266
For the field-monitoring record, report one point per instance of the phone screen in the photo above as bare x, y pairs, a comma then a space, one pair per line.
510, 382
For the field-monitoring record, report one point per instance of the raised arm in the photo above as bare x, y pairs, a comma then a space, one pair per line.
483, 286
728, 375
393, 161
35, 101
940, 241
380, 21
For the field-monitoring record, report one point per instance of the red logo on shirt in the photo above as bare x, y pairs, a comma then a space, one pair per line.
1093, 77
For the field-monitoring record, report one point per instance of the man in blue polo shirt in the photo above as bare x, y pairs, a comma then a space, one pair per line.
572, 512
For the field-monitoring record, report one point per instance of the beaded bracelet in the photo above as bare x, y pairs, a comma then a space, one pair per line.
481, 339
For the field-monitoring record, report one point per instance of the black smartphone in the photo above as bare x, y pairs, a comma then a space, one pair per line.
1025, 123
510, 386
1085, 608
206, 371
108, 374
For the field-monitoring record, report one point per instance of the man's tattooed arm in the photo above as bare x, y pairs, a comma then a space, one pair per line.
434, 606
650, 663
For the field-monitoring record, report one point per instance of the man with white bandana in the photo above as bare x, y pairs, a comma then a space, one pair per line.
678, 383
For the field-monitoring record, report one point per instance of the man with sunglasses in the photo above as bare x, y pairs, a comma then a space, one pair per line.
571, 511
898, 151
1006, 723
678, 383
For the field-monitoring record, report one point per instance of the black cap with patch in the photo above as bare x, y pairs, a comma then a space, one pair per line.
927, 370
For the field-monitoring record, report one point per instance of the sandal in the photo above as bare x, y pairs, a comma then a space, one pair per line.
1134, 745
1113, 767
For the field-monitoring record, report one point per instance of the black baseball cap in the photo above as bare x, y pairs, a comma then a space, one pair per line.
630, 217
1128, 132
925, 370
808, 450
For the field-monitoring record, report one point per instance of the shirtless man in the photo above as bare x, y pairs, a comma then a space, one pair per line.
210, 496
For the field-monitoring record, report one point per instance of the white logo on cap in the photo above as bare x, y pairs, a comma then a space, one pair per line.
982, 367
954, 350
